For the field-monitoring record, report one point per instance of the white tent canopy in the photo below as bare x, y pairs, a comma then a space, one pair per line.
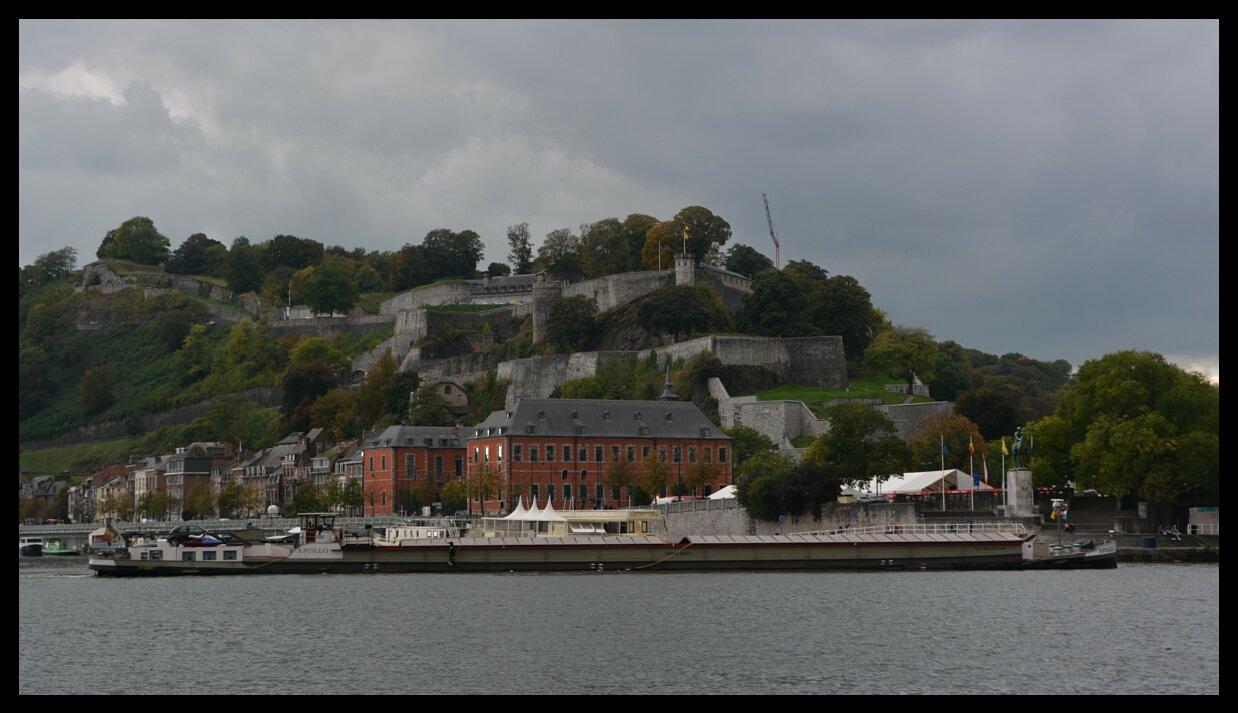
930, 480
727, 492
519, 513
548, 514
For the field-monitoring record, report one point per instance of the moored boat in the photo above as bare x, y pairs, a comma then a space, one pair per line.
30, 547
56, 548
321, 547
1084, 554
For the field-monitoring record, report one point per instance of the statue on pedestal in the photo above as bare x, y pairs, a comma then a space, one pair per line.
1022, 450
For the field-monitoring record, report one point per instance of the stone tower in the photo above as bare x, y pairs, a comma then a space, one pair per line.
545, 292
685, 269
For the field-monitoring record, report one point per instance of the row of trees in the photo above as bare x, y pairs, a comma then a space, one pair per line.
231, 500
601, 248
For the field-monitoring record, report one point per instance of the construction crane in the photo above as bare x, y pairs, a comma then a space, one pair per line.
777, 247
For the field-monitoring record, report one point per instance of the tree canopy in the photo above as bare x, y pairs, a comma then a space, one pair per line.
329, 288
199, 255
135, 240
1133, 424
683, 309
862, 443
746, 260
572, 323
520, 242
704, 230
903, 352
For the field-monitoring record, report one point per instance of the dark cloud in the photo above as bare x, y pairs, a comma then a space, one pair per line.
1043, 187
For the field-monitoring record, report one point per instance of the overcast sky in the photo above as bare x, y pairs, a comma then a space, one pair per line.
1045, 188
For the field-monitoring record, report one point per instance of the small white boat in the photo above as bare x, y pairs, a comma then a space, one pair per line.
30, 547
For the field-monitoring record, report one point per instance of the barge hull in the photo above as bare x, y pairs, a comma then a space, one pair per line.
702, 561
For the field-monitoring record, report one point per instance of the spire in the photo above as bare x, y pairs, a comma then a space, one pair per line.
668, 394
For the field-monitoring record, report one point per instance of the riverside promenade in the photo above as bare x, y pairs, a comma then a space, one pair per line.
75, 534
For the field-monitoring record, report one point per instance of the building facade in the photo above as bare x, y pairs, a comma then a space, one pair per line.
592, 453
399, 460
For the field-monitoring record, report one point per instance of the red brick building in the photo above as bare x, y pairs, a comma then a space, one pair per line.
399, 459
566, 450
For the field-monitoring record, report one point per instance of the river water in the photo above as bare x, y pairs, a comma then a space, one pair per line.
1136, 629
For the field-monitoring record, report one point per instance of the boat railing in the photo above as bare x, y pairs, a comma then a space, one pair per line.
935, 528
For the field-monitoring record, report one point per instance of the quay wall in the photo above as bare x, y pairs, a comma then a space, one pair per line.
727, 517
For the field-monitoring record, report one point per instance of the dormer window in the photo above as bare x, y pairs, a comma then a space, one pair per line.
705, 431
636, 415
606, 415
540, 414
668, 415
644, 430
428, 442
579, 429
573, 414
530, 428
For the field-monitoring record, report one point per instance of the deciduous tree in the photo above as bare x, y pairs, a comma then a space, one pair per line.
572, 323
520, 242
862, 443
135, 240
904, 352
746, 260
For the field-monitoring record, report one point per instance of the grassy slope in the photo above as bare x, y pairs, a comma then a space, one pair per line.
124, 267
79, 458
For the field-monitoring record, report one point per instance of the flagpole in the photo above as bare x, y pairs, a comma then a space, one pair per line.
1005, 503
943, 472
971, 466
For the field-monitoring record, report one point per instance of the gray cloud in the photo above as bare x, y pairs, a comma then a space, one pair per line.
1043, 187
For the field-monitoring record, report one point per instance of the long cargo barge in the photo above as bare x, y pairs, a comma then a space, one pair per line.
320, 548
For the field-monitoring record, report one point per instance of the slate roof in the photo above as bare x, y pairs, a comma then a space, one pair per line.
601, 417
408, 436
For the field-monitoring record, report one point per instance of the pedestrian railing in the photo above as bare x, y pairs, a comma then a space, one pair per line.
935, 528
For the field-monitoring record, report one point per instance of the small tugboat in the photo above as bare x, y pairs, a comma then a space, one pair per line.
1083, 554
30, 547
56, 548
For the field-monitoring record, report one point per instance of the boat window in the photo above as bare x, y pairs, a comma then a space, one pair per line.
229, 554
156, 554
188, 556
208, 556
145, 555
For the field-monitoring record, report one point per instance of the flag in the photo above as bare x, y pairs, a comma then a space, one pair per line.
1004, 451
971, 450
985, 462
975, 480
944, 450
